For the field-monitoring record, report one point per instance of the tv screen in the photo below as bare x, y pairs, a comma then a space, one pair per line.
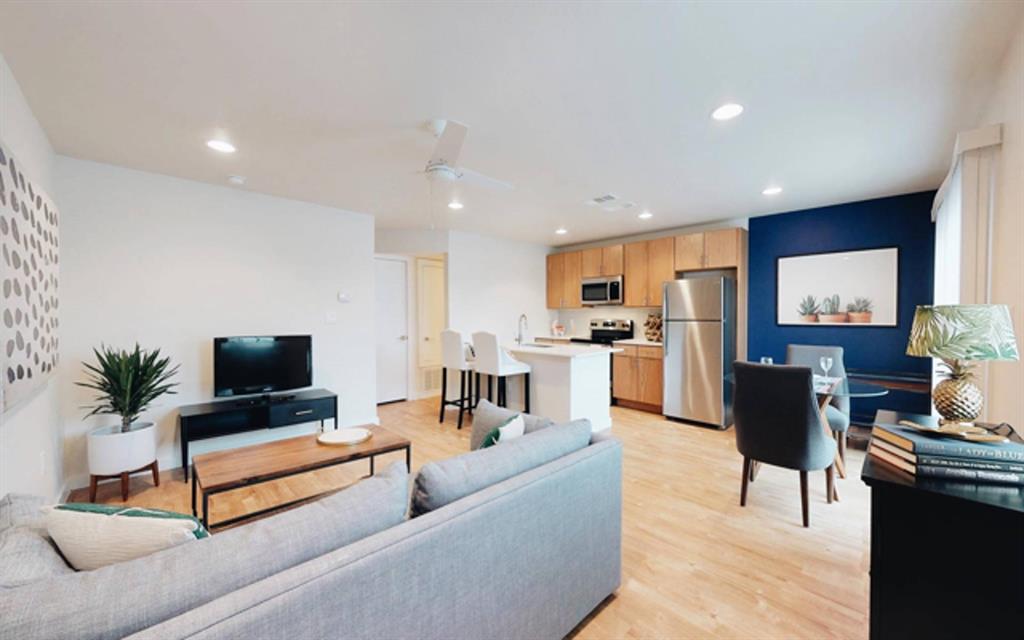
261, 364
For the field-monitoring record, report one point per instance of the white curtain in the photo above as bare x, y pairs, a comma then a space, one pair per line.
963, 214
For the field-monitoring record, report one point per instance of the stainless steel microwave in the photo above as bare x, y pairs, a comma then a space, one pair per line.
595, 291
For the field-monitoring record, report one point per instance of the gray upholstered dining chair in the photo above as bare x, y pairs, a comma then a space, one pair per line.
778, 423
838, 410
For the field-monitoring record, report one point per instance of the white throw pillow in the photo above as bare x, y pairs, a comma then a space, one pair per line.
90, 540
513, 429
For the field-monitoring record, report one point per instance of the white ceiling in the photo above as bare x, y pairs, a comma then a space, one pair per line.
564, 100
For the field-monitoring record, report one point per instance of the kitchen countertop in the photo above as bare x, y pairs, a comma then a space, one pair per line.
639, 342
562, 351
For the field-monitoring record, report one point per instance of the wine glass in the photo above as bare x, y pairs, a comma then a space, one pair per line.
826, 364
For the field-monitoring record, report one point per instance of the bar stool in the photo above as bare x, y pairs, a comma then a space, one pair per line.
492, 361
453, 356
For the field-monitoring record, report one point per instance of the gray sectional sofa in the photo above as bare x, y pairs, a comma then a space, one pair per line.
520, 540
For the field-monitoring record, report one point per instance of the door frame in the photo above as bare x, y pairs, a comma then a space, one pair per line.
410, 327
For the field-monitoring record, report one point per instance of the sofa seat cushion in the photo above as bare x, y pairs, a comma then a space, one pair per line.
120, 599
27, 556
443, 482
488, 416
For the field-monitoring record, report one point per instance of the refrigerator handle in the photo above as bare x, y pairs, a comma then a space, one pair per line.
664, 318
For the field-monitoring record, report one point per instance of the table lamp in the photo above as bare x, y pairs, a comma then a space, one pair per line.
959, 334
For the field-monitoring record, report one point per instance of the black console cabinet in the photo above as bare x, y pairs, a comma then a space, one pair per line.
238, 415
947, 557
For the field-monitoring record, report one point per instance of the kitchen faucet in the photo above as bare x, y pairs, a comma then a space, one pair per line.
521, 326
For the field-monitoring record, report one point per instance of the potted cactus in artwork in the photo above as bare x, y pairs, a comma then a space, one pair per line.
860, 310
831, 310
808, 309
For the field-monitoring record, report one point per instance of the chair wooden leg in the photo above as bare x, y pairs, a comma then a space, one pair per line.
490, 388
477, 400
755, 466
805, 506
462, 396
841, 441
830, 482
526, 393
746, 481
155, 468
93, 482
124, 487
444, 392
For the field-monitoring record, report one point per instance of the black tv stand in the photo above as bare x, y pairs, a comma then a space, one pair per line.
266, 398
239, 415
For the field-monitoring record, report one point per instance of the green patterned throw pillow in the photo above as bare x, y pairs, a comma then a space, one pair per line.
510, 429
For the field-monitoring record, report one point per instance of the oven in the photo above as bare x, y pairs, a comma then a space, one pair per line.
595, 291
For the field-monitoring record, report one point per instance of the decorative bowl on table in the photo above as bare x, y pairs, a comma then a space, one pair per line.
345, 437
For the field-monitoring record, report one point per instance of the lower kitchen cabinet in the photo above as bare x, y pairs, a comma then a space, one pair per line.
637, 377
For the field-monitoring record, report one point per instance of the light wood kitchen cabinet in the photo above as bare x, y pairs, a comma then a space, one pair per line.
660, 268
647, 266
637, 379
649, 381
689, 252
602, 261
624, 384
635, 277
719, 249
564, 280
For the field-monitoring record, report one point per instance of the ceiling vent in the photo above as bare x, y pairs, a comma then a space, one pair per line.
611, 202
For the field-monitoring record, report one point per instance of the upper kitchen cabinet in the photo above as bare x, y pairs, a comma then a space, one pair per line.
719, 249
689, 252
564, 280
722, 248
647, 265
602, 261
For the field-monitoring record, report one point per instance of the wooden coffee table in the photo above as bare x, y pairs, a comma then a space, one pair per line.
221, 471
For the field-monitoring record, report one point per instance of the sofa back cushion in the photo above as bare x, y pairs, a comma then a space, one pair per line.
444, 482
120, 599
487, 416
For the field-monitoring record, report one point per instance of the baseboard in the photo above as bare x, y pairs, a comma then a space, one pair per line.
639, 406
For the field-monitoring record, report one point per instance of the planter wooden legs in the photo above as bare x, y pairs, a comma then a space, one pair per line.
153, 467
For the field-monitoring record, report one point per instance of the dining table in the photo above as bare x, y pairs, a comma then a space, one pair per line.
826, 388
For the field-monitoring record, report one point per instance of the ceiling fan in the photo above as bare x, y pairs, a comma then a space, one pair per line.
441, 166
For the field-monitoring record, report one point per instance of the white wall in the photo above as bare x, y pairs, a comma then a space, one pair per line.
1006, 379
171, 263
30, 437
492, 281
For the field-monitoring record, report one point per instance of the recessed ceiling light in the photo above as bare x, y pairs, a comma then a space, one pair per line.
727, 111
455, 204
239, 180
561, 231
771, 191
646, 215
221, 145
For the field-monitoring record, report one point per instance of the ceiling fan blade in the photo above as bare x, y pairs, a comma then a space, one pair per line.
449, 143
468, 176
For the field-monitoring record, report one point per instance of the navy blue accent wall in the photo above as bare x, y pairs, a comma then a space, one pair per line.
901, 221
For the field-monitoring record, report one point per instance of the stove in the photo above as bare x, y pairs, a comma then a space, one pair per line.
606, 331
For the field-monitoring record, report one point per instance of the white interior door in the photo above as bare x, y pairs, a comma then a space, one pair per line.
392, 332
431, 302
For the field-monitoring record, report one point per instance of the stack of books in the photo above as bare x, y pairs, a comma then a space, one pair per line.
930, 456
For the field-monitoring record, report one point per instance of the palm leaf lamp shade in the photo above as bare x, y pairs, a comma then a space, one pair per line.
959, 334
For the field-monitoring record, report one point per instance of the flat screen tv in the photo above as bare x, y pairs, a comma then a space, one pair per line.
244, 365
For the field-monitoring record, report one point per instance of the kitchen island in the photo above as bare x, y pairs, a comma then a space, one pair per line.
568, 382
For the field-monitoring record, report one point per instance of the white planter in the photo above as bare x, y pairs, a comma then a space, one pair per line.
112, 452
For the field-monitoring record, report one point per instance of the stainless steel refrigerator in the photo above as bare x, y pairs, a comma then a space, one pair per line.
700, 346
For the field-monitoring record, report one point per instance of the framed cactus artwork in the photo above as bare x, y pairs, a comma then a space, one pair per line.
847, 288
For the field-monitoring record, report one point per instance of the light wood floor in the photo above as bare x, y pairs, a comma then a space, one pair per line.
695, 563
